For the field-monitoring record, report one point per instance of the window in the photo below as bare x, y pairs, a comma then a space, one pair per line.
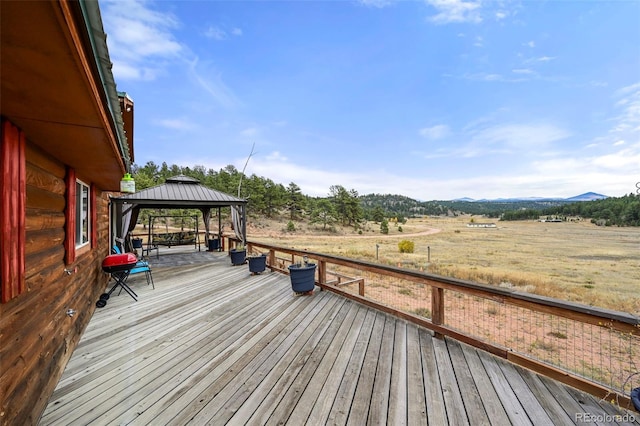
83, 227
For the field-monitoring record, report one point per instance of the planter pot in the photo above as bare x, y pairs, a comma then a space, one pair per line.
238, 256
302, 277
214, 244
137, 243
257, 264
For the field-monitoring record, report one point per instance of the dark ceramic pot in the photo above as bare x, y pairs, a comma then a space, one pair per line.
238, 257
257, 264
303, 277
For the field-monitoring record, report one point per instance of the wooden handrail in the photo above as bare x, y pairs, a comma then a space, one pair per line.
621, 322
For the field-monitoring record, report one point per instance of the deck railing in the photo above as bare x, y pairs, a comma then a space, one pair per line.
593, 349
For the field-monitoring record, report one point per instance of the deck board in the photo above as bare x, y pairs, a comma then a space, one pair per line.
213, 344
416, 403
377, 399
358, 383
450, 389
490, 400
436, 411
470, 395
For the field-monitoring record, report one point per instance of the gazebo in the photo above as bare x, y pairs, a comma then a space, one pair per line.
178, 192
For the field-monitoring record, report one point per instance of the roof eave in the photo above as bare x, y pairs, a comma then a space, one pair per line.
98, 39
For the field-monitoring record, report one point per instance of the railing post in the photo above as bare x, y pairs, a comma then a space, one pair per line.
361, 287
437, 308
322, 272
272, 258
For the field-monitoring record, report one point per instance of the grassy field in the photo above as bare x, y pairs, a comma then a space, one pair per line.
574, 261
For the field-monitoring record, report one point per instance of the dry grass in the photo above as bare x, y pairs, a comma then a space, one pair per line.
579, 262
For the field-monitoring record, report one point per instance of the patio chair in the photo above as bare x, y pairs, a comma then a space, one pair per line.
141, 266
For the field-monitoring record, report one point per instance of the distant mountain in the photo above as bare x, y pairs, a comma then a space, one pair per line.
601, 209
587, 196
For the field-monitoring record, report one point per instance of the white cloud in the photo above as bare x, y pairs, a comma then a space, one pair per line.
564, 176
455, 11
215, 33
530, 44
553, 178
210, 80
510, 138
250, 132
482, 76
623, 159
139, 39
220, 34
610, 173
634, 88
276, 156
376, 3
522, 71
176, 124
435, 132
126, 71
628, 120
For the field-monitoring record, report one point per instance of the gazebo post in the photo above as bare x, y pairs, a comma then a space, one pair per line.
243, 218
220, 240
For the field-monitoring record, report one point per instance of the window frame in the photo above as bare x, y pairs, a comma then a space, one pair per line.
12, 211
83, 214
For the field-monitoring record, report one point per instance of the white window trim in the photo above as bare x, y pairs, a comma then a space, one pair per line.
81, 187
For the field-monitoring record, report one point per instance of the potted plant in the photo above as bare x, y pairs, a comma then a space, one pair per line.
257, 263
303, 277
238, 255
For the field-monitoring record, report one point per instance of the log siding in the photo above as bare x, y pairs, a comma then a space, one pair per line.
37, 334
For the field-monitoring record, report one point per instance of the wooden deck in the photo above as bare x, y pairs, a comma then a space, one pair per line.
213, 344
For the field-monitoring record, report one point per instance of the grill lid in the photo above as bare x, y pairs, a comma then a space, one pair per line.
115, 260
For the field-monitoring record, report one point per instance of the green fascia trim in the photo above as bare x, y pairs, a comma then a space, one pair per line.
95, 30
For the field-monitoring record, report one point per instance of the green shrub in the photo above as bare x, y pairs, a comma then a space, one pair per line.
406, 246
384, 226
291, 227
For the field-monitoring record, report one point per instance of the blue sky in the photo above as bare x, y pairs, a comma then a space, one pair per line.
432, 99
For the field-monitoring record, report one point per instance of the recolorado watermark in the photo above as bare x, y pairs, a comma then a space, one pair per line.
603, 418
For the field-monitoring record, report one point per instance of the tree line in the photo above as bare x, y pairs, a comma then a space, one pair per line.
346, 207
612, 211
265, 197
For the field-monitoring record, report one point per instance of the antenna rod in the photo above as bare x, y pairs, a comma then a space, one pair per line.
245, 166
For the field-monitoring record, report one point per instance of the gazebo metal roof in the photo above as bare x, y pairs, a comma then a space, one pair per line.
180, 192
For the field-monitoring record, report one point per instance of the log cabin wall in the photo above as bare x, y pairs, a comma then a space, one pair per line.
37, 335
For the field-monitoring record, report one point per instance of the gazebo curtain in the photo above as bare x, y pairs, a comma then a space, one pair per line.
127, 215
206, 216
129, 219
238, 225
